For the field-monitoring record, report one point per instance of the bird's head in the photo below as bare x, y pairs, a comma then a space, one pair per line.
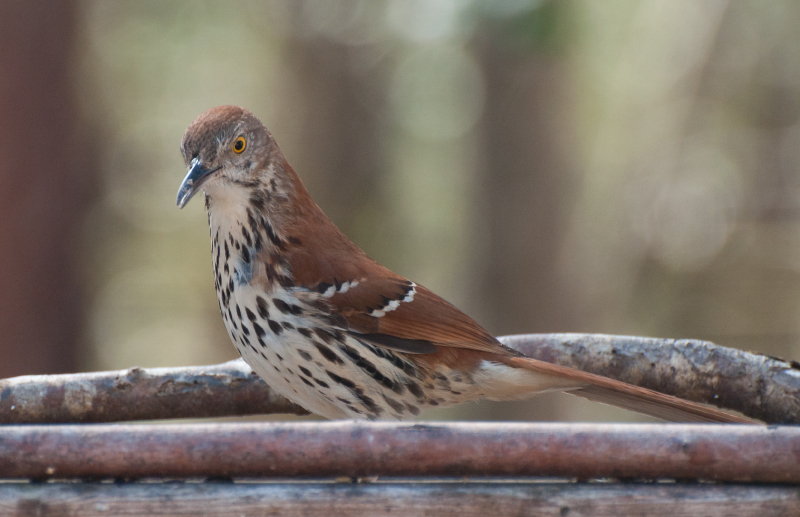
226, 149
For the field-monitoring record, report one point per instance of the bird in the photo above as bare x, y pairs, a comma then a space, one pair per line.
331, 329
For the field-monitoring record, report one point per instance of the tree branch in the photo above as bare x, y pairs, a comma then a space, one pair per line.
227, 389
758, 386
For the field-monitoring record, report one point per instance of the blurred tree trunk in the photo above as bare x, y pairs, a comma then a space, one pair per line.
525, 188
334, 112
40, 193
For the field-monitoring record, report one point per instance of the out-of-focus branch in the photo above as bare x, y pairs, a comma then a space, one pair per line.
758, 386
228, 389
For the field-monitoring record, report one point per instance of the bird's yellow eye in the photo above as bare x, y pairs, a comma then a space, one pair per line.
239, 144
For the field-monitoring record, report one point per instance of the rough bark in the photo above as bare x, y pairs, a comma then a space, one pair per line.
228, 389
758, 386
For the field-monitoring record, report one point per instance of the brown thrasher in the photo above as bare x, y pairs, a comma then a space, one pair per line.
331, 329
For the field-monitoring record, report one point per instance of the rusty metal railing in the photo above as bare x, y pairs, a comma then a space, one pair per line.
730, 453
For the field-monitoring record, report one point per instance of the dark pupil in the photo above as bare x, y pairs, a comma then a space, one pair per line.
238, 145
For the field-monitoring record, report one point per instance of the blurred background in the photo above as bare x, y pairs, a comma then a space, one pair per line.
625, 167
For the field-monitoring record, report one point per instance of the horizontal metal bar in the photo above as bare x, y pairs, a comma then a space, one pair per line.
318, 449
391, 499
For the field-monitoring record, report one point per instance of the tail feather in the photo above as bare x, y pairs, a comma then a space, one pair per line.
635, 398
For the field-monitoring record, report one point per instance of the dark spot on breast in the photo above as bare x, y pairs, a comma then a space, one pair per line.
263, 311
414, 388
390, 356
306, 371
280, 357
323, 334
306, 381
327, 353
250, 315
286, 308
259, 332
295, 241
272, 236
275, 326
347, 383
370, 404
397, 406
443, 380
287, 326
245, 256
305, 355
227, 251
245, 330
322, 383
304, 331
238, 311
247, 238
258, 201
358, 392
414, 410
371, 370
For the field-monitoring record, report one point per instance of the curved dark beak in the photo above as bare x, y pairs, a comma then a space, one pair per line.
194, 179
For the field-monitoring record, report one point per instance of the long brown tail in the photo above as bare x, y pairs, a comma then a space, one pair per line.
627, 396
